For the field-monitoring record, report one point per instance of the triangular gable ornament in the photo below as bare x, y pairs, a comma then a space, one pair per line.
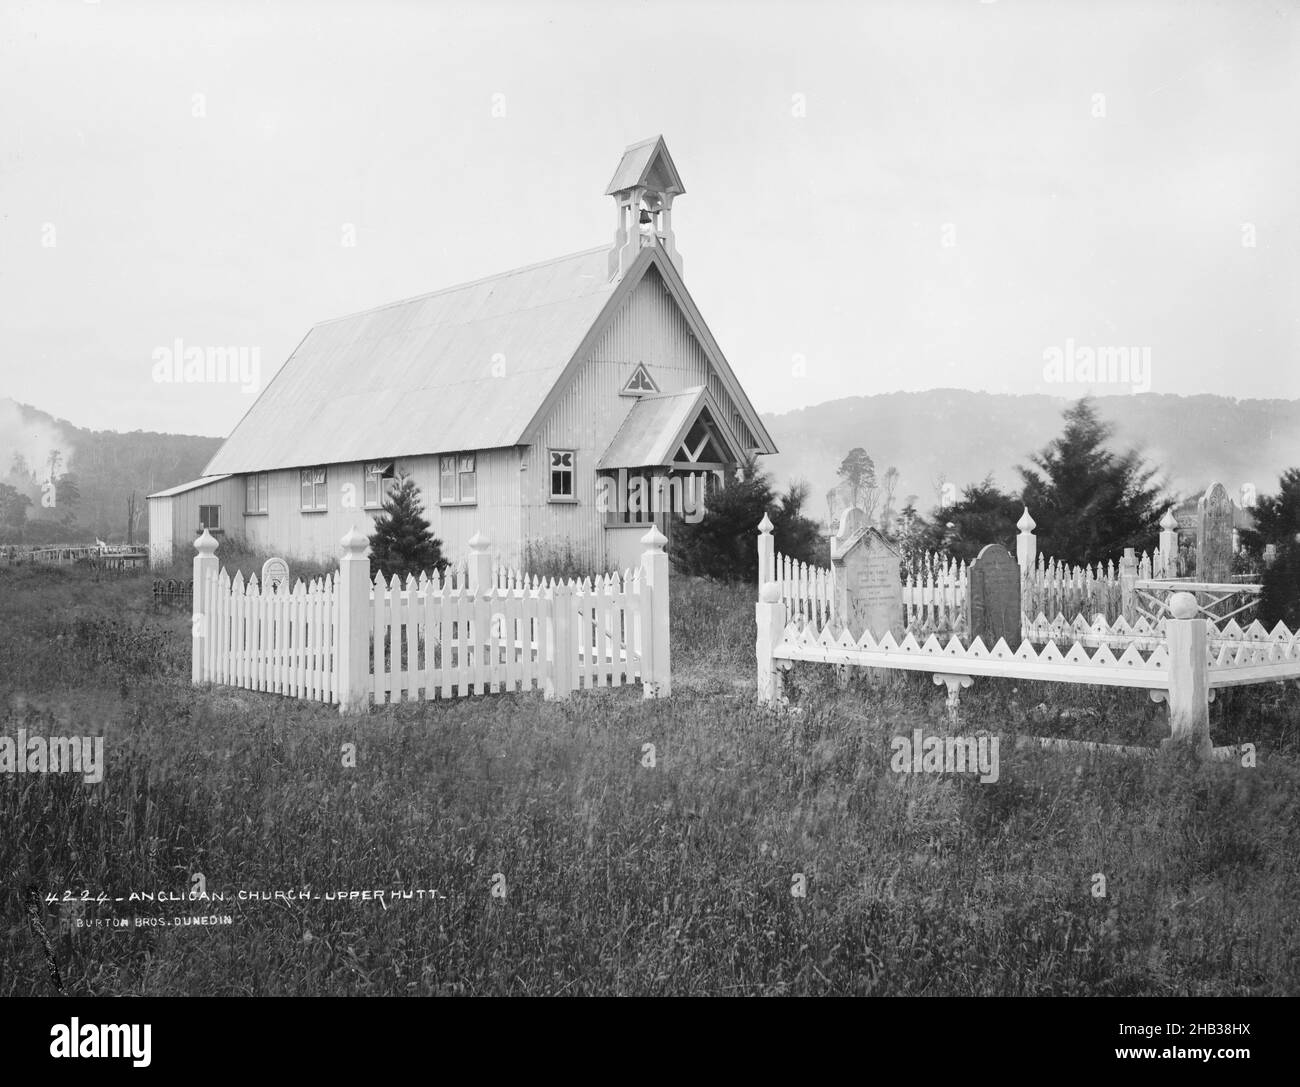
640, 383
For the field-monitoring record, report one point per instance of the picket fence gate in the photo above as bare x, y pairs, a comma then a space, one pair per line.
348, 640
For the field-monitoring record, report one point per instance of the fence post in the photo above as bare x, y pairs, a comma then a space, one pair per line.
352, 657
1026, 543
205, 568
1189, 699
657, 676
480, 565
1168, 545
766, 552
769, 617
1127, 581
559, 683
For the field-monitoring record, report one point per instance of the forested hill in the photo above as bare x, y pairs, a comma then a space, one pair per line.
106, 468
963, 436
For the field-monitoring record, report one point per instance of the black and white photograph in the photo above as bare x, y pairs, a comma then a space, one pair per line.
650, 499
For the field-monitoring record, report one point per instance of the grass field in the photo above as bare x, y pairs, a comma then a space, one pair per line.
613, 876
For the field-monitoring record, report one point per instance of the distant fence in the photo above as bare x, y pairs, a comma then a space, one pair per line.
175, 592
934, 586
348, 640
111, 559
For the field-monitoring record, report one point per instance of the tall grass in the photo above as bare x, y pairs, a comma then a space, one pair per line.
620, 877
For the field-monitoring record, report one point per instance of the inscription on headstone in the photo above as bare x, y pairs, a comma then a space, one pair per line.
993, 597
275, 575
868, 588
1214, 535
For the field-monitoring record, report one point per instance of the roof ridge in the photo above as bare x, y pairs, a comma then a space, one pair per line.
462, 286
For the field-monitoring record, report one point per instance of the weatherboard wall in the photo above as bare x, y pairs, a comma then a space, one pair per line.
649, 328
288, 530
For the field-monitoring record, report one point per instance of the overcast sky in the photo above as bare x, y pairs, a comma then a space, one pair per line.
879, 196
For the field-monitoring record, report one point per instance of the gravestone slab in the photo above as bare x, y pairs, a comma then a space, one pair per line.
993, 597
1215, 515
868, 588
275, 575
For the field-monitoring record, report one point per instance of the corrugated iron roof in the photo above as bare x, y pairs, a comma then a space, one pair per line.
181, 488
638, 161
462, 368
654, 429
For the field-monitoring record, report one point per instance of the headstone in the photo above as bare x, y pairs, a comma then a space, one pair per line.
868, 588
1214, 515
993, 597
275, 575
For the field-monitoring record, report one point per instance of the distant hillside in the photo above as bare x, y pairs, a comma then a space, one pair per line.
107, 466
967, 435
961, 435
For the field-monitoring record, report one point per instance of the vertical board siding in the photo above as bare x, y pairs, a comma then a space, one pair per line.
649, 328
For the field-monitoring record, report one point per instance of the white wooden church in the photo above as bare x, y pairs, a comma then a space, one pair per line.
565, 405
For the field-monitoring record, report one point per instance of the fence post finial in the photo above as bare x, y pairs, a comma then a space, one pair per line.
766, 551
354, 624
1169, 544
1026, 542
205, 571
480, 565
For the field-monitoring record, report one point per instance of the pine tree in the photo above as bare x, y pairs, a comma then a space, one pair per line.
1277, 522
403, 542
1089, 502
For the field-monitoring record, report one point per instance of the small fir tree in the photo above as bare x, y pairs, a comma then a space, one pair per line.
403, 542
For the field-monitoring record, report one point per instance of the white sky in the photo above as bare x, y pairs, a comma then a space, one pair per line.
817, 236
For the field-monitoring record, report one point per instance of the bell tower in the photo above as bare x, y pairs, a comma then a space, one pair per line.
644, 186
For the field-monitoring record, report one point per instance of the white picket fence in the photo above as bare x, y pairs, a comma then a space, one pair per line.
348, 640
253, 637
934, 586
443, 640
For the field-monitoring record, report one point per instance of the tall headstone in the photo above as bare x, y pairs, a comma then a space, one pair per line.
1214, 519
868, 587
993, 597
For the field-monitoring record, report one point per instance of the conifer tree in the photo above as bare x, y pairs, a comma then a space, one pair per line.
403, 542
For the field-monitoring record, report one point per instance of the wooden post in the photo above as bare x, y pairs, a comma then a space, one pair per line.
766, 552
355, 619
769, 616
1168, 545
1189, 699
563, 648
1026, 543
657, 680
205, 570
478, 576
1127, 581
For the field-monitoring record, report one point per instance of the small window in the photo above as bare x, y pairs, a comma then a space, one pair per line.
313, 488
255, 492
562, 473
210, 518
457, 479
376, 485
